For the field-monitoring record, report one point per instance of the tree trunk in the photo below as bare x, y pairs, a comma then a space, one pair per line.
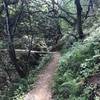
90, 9
79, 19
9, 35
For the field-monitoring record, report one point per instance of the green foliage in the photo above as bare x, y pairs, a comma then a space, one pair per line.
79, 62
2, 45
19, 87
44, 60
90, 66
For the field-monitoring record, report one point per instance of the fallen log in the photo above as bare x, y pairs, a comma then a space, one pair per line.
26, 51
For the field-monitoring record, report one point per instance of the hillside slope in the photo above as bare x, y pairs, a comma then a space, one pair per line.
78, 77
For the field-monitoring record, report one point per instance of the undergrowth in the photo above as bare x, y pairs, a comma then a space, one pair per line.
18, 89
75, 66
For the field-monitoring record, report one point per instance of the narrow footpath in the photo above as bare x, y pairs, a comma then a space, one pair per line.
42, 90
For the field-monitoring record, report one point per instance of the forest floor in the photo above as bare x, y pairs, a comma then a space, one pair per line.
42, 90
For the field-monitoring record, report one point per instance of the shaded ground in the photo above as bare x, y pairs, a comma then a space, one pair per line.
42, 91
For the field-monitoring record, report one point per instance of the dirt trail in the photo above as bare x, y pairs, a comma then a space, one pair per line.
42, 91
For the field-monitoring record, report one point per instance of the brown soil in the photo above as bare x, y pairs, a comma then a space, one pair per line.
94, 79
42, 91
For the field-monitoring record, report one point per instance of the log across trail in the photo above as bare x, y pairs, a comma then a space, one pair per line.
42, 90
21, 51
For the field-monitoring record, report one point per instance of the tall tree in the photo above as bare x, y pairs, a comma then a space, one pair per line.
11, 49
90, 8
79, 19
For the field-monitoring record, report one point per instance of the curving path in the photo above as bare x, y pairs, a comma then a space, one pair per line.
42, 91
